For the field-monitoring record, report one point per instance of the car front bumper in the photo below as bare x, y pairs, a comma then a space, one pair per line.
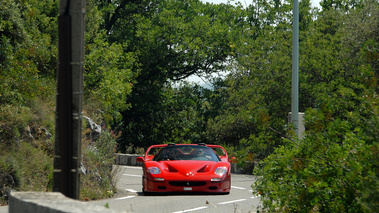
187, 185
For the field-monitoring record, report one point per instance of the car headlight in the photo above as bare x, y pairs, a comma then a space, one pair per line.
153, 170
159, 179
221, 170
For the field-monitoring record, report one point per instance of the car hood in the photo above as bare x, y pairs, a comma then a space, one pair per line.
190, 167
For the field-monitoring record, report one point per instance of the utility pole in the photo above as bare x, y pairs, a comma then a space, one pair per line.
295, 68
67, 153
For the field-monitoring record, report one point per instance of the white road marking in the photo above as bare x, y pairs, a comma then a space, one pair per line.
233, 201
130, 190
122, 198
236, 187
129, 175
191, 210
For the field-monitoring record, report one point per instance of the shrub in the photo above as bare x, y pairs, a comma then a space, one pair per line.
334, 169
24, 167
99, 180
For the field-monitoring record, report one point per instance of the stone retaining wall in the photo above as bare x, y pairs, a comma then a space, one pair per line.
50, 202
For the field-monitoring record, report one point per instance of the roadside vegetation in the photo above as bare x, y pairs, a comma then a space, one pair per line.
137, 55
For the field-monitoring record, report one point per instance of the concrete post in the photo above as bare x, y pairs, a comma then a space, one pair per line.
69, 98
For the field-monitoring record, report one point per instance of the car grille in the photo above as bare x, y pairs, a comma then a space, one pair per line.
187, 183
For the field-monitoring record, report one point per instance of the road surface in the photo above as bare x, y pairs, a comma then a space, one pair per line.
130, 198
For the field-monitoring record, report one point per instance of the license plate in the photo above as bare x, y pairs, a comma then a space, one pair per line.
187, 189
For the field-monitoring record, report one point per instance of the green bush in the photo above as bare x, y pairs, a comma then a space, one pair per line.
334, 169
24, 167
100, 178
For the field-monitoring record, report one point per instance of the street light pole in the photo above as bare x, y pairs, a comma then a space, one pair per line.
295, 68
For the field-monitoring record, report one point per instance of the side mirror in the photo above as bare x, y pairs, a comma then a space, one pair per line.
140, 159
233, 160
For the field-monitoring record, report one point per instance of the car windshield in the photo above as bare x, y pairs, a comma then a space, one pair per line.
186, 152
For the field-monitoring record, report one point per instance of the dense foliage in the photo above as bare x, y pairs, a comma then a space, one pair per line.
335, 167
139, 52
28, 63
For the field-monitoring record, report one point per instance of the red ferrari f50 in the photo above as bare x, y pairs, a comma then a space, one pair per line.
186, 168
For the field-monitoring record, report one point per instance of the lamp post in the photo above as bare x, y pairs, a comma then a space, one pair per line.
295, 68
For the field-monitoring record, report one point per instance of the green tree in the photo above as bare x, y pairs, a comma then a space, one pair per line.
254, 117
334, 168
172, 40
28, 37
109, 71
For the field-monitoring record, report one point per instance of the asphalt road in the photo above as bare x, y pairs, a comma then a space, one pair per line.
130, 198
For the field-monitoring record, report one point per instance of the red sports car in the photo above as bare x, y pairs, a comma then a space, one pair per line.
186, 168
